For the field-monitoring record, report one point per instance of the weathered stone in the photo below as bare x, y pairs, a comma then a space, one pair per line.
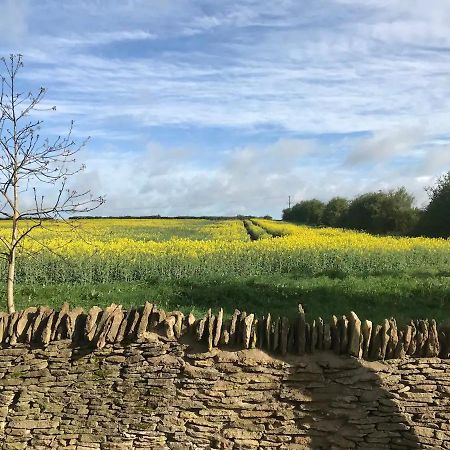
241, 329
94, 315
268, 333
261, 333
108, 317
225, 337
218, 328
156, 317
60, 320
301, 331
151, 393
444, 338
200, 330
234, 326
3, 323
143, 325
44, 336
247, 328
411, 350
188, 325
393, 339
400, 352
407, 334
326, 337
384, 335
275, 334
335, 336
284, 332
133, 319
24, 324
366, 331
376, 343
355, 335
254, 333
168, 327
343, 334
319, 326
421, 337
210, 330
432, 346
73, 324
313, 337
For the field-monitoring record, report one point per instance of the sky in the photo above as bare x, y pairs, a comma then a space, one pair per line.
200, 107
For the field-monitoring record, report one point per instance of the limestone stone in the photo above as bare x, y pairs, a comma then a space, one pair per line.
247, 328
335, 336
218, 328
366, 331
143, 325
393, 338
326, 337
284, 333
384, 335
301, 331
343, 334
162, 392
168, 327
313, 337
254, 333
210, 330
91, 322
268, 333
355, 335
411, 350
200, 329
275, 334
319, 333
432, 346
234, 326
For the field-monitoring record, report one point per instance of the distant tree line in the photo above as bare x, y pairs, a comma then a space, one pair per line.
390, 212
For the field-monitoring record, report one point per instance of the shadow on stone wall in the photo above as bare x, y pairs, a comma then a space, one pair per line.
145, 379
351, 405
319, 401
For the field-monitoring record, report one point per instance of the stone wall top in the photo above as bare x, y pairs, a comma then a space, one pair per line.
347, 335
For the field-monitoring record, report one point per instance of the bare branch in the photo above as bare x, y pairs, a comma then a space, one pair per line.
29, 161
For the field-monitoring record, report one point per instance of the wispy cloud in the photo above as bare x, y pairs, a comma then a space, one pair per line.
366, 80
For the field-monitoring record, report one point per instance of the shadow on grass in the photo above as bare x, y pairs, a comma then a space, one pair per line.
373, 298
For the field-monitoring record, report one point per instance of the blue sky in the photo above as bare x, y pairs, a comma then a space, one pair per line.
207, 107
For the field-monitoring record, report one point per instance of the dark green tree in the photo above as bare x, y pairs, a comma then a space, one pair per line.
335, 212
389, 212
435, 219
308, 212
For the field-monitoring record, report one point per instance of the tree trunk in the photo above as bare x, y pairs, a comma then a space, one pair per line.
13, 248
10, 280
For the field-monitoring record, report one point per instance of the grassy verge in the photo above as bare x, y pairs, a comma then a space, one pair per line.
372, 297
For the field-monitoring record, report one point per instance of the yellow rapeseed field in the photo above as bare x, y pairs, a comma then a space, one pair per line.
138, 249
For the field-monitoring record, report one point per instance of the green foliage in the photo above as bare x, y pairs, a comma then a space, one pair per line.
389, 212
308, 212
335, 212
435, 220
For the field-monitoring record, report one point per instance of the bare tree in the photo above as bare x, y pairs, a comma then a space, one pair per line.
28, 163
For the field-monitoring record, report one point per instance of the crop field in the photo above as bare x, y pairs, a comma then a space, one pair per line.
255, 265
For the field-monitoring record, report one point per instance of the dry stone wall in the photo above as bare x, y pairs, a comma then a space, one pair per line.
281, 335
146, 379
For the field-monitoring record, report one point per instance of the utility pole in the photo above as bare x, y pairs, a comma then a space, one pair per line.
289, 202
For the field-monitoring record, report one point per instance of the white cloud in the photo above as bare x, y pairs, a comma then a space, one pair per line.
385, 145
293, 68
13, 20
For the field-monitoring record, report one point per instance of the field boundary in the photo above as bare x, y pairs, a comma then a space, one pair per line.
346, 335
